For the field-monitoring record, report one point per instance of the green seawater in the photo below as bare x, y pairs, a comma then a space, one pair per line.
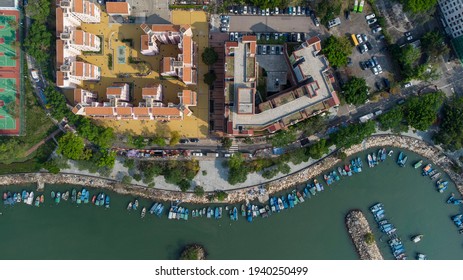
312, 230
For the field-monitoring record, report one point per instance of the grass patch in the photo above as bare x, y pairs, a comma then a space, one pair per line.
110, 61
34, 164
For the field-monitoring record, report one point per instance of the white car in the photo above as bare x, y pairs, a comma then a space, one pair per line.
407, 85
359, 38
380, 70
375, 70
377, 29
277, 11
267, 12
370, 16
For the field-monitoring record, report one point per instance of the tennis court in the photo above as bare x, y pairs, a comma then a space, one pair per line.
8, 54
8, 104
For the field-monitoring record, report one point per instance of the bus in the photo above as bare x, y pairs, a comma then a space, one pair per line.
360, 7
356, 6
354, 39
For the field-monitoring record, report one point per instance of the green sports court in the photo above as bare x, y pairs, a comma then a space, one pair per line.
8, 104
11, 97
8, 54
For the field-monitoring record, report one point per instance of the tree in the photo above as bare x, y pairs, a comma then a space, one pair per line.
126, 179
226, 142
159, 141
421, 112
369, 238
391, 119
237, 169
451, 128
105, 158
138, 142
199, 191
284, 168
355, 91
433, 43
409, 55
318, 149
352, 134
221, 195
419, 6
284, 137
315, 124
209, 56
328, 10
38, 10
143, 68
210, 77
337, 50
71, 146
38, 42
174, 138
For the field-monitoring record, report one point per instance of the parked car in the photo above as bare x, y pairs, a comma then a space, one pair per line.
377, 29
364, 37
363, 66
386, 82
359, 38
196, 154
236, 36
267, 12
378, 85
254, 10
277, 11
267, 37
370, 16
298, 10
349, 61
380, 69
272, 50
264, 50
245, 10
408, 34
369, 63
232, 36
369, 46
407, 85
348, 15
259, 49
183, 141
362, 49
194, 140
268, 49
275, 36
375, 70
316, 22
223, 29
409, 38
375, 60
299, 37
371, 21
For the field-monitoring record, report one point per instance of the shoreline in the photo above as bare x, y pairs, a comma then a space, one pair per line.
249, 193
357, 227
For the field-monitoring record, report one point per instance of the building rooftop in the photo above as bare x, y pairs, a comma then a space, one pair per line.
118, 8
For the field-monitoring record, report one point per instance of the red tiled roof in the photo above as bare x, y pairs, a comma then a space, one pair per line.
77, 95
59, 21
59, 78
139, 111
126, 111
59, 53
118, 8
99, 111
187, 49
144, 42
165, 28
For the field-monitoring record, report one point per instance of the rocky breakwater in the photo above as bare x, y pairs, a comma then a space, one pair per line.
360, 232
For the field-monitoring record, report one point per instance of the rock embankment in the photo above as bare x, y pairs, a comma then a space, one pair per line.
358, 228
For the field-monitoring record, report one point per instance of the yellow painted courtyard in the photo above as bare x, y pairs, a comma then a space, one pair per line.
116, 36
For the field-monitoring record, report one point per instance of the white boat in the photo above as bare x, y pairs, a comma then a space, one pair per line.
143, 212
422, 257
30, 198
390, 153
129, 207
280, 204
417, 238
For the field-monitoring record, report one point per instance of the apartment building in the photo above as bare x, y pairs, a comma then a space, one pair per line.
71, 42
184, 65
452, 12
311, 94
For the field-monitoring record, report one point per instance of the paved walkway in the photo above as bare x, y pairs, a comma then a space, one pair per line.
43, 141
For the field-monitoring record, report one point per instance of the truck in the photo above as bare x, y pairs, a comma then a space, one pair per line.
354, 39
35, 75
360, 7
367, 117
356, 6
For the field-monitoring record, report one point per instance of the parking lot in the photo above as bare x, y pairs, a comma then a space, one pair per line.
269, 24
358, 25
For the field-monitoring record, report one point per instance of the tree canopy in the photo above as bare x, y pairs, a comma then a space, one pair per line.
337, 50
38, 10
433, 43
38, 42
352, 134
421, 112
418, 6
209, 78
392, 119
71, 146
328, 10
237, 170
451, 128
355, 91
318, 149
209, 56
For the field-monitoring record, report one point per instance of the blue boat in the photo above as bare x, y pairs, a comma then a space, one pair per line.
208, 215
135, 204
335, 175
402, 159
290, 200
153, 207
235, 214
375, 208
73, 195
277, 206
383, 154
249, 213
457, 220
107, 201
307, 192
24, 195
441, 185
186, 214
87, 197
216, 213
160, 210
79, 198
359, 162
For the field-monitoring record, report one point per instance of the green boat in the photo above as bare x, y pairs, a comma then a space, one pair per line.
418, 164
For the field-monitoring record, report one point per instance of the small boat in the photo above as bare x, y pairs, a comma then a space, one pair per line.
243, 210
290, 200
435, 176
18, 198
107, 201
399, 159
153, 208
79, 198
453, 200
186, 214
23, 195
93, 199
285, 203
417, 238
52, 194
426, 170
380, 155
404, 160
421, 257
418, 164
87, 197
301, 199
216, 213
130, 205
73, 195
143, 212
30, 198
37, 201
383, 154
220, 212
58, 198
135, 205
373, 156
280, 204
65, 196
441, 185
335, 175
390, 153
370, 160
42, 198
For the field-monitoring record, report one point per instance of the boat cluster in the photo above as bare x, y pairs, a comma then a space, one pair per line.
79, 197
385, 226
25, 197
429, 171
375, 158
